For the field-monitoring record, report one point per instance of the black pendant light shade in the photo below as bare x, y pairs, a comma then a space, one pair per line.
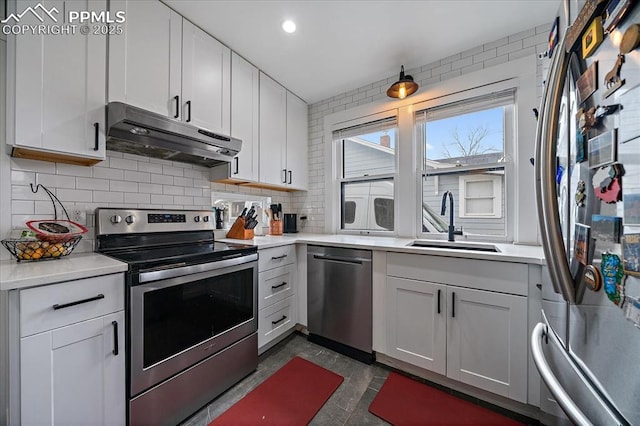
402, 88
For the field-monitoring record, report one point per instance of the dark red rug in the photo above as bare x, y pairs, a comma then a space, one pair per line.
402, 401
291, 396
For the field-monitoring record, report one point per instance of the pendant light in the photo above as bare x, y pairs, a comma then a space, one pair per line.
402, 88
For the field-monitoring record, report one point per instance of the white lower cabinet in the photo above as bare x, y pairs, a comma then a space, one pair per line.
74, 374
473, 336
71, 352
277, 303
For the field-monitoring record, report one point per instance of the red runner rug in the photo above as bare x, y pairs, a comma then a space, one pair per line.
403, 401
291, 396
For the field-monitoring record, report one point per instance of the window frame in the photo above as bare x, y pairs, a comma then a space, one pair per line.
496, 181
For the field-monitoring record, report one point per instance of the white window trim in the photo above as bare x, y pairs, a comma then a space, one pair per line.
521, 73
496, 181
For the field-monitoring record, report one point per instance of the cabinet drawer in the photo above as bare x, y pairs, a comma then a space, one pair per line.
276, 256
503, 277
275, 320
75, 301
275, 285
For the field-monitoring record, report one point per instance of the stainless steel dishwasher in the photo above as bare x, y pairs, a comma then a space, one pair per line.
339, 300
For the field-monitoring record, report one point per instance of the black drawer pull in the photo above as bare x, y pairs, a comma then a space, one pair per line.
96, 127
284, 173
115, 337
237, 161
279, 285
438, 300
177, 99
284, 317
289, 176
78, 302
188, 111
453, 304
278, 257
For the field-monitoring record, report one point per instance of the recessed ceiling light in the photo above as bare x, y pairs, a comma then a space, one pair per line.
289, 26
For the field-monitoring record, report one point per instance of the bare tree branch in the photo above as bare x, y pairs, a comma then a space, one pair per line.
470, 144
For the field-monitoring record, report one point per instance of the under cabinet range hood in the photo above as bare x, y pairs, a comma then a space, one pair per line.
136, 131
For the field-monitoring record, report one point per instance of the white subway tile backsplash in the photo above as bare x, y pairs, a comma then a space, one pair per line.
123, 163
172, 190
150, 167
180, 181
162, 179
137, 176
150, 188
161, 199
108, 173
19, 177
75, 195
184, 200
47, 208
56, 181
108, 197
160, 161
193, 192
137, 198
135, 157
123, 186
73, 170
172, 171
22, 207
89, 183
206, 184
32, 165
21, 192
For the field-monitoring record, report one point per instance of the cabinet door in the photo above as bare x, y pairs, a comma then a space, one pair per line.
416, 323
273, 132
145, 60
71, 375
487, 341
206, 80
60, 89
297, 142
245, 99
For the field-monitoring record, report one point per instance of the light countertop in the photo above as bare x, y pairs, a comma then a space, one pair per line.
508, 252
17, 275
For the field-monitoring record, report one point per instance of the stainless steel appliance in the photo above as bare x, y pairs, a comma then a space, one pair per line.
339, 300
586, 350
136, 131
191, 309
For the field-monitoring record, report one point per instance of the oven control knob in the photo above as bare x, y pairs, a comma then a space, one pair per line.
205, 218
197, 218
115, 219
130, 219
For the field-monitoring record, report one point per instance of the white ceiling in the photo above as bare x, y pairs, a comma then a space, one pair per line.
343, 45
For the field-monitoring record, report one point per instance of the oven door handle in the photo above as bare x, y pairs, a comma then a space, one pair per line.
232, 260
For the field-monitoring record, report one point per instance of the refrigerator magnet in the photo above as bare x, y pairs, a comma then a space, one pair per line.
631, 254
631, 310
580, 195
606, 228
592, 278
592, 37
631, 208
615, 11
602, 149
581, 243
612, 277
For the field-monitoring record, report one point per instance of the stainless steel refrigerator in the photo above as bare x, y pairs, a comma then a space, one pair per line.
587, 344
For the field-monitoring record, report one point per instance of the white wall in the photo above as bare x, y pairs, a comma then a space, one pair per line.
523, 44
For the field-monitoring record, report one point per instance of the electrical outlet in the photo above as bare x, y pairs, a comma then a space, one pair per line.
78, 216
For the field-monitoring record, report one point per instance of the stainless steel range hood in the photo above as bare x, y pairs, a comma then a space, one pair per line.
137, 131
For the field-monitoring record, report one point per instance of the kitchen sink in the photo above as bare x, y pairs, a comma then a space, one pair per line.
454, 245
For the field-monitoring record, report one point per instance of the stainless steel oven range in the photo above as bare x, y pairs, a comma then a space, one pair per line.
191, 309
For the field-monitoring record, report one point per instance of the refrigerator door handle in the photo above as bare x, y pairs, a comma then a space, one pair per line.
540, 332
545, 173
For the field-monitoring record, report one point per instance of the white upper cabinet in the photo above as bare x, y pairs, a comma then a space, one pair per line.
57, 109
206, 80
165, 64
273, 132
297, 142
283, 136
145, 60
245, 99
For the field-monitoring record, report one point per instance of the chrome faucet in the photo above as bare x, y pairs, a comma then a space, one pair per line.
443, 210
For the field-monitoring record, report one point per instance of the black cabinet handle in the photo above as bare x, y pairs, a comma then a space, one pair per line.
77, 302
284, 317
188, 111
278, 257
438, 300
237, 165
289, 176
115, 337
177, 99
279, 285
96, 127
284, 173
453, 304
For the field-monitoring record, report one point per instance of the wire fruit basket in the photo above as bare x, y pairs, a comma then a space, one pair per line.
54, 239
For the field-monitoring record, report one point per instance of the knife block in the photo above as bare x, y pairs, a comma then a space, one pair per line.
275, 227
238, 231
